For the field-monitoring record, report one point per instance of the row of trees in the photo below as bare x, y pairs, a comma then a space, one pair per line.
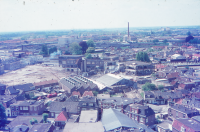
150, 87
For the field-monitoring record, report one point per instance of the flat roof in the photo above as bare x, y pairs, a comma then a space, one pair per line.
88, 116
84, 127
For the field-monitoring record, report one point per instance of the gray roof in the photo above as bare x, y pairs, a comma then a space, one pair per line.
19, 120
109, 80
196, 118
42, 127
112, 119
70, 106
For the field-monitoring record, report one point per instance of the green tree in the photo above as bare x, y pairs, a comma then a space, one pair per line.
90, 50
33, 121
53, 49
75, 49
148, 87
90, 43
142, 56
188, 33
165, 41
44, 50
45, 116
88, 56
155, 40
3, 118
67, 52
160, 87
84, 46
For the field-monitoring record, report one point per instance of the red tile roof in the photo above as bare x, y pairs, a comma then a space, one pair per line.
62, 116
158, 66
76, 93
190, 47
173, 75
181, 85
179, 101
197, 95
196, 55
88, 93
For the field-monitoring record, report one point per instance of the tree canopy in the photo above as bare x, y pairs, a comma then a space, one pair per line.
148, 87
75, 49
160, 87
44, 117
2, 116
53, 49
142, 56
165, 41
33, 121
155, 40
84, 46
90, 43
88, 56
189, 37
194, 41
90, 50
44, 50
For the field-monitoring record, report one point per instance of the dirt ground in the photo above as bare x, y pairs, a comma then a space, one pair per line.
33, 73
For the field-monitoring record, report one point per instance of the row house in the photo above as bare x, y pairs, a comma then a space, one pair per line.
180, 111
185, 125
88, 103
6, 101
116, 103
141, 113
27, 108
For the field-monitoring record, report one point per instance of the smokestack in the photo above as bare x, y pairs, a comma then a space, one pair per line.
128, 29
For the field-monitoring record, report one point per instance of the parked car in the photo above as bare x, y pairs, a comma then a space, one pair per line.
51, 95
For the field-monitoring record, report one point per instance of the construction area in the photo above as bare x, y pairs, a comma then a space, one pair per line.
33, 73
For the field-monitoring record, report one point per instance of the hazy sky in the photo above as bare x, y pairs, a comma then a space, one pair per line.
28, 15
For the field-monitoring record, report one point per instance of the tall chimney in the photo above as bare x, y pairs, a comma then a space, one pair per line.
128, 29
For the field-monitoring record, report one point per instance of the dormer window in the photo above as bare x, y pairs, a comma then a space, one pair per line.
84, 104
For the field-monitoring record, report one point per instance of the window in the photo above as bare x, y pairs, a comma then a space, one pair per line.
169, 110
146, 120
184, 116
63, 62
84, 104
183, 129
84, 109
135, 111
16, 108
21, 108
52, 114
25, 108
176, 113
35, 108
141, 119
90, 104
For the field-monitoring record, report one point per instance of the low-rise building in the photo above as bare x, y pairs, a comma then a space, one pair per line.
141, 113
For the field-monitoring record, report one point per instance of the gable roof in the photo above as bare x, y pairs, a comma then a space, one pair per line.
109, 79
76, 93
112, 119
87, 93
70, 106
178, 123
62, 116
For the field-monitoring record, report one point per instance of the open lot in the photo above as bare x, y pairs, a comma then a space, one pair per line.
33, 73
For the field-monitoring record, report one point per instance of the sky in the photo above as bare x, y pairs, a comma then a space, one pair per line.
36, 15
